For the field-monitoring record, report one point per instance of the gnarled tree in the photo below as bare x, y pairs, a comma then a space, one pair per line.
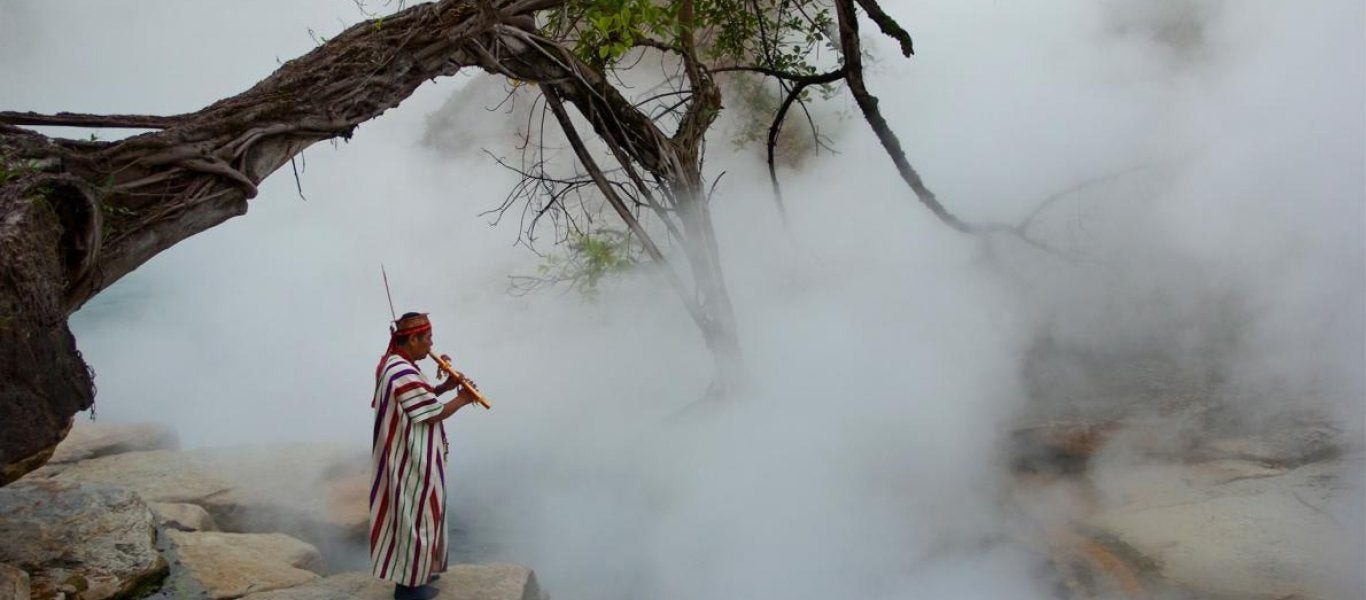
75, 216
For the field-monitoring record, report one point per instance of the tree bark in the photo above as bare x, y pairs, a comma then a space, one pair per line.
674, 160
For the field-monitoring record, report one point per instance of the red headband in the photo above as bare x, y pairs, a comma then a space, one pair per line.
414, 330
415, 325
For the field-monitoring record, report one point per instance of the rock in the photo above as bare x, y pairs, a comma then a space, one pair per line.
92, 440
492, 582
1216, 472
1286, 446
311, 491
230, 565
156, 475
307, 491
1059, 447
23, 466
346, 586
348, 504
13, 583
462, 582
1291, 535
185, 517
14, 467
1160, 484
287, 488
95, 539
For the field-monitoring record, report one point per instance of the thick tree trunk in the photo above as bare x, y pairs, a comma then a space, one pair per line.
719, 328
43, 380
673, 160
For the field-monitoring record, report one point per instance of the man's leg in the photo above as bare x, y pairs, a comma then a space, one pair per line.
414, 592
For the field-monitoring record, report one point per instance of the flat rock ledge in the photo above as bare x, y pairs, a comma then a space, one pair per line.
462, 582
245, 489
231, 565
1264, 536
155, 475
89, 440
1145, 509
78, 538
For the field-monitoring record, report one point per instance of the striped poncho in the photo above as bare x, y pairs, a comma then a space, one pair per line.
408, 485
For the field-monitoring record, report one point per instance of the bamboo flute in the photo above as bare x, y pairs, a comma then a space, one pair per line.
460, 377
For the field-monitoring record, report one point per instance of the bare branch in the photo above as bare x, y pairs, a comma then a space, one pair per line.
853, 67
69, 119
773, 130
298, 185
829, 77
646, 240
888, 25
1059, 195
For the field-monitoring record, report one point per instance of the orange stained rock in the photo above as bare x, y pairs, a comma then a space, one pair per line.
1102, 562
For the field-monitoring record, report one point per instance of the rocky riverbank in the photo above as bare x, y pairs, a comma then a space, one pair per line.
119, 512
1170, 507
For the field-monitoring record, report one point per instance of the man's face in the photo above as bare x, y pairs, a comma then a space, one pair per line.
419, 345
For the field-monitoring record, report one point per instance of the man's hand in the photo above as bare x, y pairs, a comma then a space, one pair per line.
466, 396
446, 386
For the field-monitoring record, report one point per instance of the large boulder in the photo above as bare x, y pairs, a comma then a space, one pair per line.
230, 565
462, 582
348, 505
155, 475
79, 537
300, 489
315, 492
318, 492
1238, 529
15, 464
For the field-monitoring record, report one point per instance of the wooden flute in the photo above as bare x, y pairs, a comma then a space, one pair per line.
460, 377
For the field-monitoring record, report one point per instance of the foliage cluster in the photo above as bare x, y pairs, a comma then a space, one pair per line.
589, 258
784, 35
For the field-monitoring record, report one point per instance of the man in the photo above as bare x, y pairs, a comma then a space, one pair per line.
408, 464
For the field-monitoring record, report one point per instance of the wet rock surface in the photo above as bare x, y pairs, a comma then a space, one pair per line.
79, 538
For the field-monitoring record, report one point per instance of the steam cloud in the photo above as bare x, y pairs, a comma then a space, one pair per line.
888, 352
